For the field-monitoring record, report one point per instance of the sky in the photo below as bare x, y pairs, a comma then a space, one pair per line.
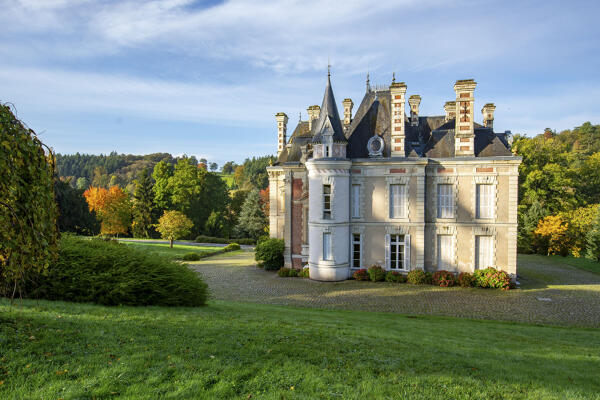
206, 78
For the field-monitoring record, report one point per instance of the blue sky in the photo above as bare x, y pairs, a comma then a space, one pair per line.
206, 78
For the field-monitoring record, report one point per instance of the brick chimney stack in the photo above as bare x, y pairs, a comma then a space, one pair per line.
313, 113
464, 131
488, 115
282, 120
397, 92
450, 110
347, 112
414, 102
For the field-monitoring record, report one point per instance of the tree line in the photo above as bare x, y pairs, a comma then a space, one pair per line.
559, 192
180, 184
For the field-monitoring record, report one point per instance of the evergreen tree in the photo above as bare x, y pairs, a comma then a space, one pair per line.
252, 220
143, 205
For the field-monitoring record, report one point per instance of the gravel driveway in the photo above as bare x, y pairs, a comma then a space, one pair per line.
550, 293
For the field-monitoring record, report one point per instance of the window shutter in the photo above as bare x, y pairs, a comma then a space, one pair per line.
407, 252
387, 251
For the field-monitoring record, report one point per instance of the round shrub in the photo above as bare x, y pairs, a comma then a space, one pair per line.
232, 247
112, 273
191, 257
283, 272
492, 278
443, 278
293, 273
361, 275
304, 273
376, 273
395, 277
465, 279
418, 277
269, 253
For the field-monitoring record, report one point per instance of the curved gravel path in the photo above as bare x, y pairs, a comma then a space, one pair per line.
575, 301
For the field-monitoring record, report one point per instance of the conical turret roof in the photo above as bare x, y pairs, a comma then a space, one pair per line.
329, 118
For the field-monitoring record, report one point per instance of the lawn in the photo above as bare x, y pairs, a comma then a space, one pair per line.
178, 250
580, 263
56, 350
228, 178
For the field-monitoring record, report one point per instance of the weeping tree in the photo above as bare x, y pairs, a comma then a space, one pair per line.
28, 211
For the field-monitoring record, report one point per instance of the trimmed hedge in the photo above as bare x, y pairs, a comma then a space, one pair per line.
110, 273
304, 273
465, 279
269, 253
191, 257
492, 278
211, 239
283, 272
361, 275
443, 278
395, 277
418, 277
376, 273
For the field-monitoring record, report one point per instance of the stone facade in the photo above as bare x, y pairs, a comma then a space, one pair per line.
402, 191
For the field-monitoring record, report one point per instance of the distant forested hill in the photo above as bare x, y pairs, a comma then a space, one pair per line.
83, 170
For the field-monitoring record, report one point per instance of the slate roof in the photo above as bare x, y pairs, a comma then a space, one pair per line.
329, 119
433, 137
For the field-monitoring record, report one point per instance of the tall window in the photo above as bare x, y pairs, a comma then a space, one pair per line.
397, 252
445, 252
326, 201
397, 201
355, 201
356, 250
445, 201
483, 252
327, 246
485, 201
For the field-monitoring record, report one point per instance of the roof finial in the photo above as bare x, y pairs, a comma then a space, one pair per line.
328, 67
368, 84
300, 116
393, 77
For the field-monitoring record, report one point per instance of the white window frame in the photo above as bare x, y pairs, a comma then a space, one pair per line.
445, 200
484, 253
354, 242
445, 252
327, 247
485, 194
398, 201
355, 200
327, 214
390, 240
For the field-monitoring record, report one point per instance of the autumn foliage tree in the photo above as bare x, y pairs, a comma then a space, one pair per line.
113, 208
28, 211
174, 225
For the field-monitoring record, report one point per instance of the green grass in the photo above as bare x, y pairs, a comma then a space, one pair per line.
228, 178
580, 263
228, 350
178, 250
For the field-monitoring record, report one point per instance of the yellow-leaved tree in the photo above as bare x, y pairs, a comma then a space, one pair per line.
174, 225
551, 233
112, 207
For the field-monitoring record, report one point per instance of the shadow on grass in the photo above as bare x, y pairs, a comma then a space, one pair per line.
233, 350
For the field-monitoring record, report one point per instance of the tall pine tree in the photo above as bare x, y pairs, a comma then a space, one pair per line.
143, 205
252, 220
